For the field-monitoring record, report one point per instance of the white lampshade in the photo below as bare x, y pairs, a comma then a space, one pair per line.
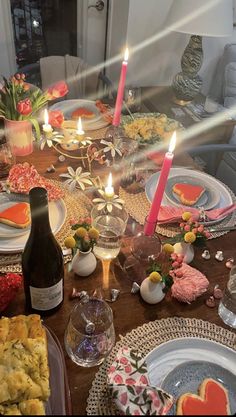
201, 17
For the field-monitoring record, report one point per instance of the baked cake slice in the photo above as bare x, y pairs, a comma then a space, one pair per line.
213, 399
27, 408
24, 371
189, 194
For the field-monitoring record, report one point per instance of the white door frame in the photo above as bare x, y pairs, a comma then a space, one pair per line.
118, 17
82, 22
7, 46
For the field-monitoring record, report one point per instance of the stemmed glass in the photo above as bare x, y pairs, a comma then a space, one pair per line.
111, 227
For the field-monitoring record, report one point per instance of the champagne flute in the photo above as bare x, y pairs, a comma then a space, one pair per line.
111, 227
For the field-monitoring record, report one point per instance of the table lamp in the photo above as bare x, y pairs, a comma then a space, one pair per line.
199, 18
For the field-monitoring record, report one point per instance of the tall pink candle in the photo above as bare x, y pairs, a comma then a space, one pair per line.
152, 218
120, 92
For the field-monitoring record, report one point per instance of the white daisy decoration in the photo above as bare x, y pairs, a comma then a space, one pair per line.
110, 147
108, 203
76, 178
85, 142
54, 137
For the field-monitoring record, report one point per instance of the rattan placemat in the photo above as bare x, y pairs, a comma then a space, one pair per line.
144, 339
138, 207
77, 205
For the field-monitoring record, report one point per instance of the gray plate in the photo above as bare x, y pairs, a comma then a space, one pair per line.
208, 200
188, 376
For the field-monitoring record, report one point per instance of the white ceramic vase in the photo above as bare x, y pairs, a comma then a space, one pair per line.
84, 263
151, 292
185, 249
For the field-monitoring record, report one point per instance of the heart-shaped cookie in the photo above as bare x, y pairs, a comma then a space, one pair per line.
212, 400
188, 193
17, 215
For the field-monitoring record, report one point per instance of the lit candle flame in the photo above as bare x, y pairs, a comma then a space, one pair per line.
172, 142
46, 118
109, 190
109, 181
80, 127
126, 55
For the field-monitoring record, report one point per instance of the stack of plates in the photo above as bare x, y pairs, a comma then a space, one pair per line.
13, 240
216, 195
67, 107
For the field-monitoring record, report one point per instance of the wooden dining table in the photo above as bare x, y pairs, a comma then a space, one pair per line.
129, 310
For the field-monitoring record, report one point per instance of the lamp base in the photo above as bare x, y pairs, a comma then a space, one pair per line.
187, 83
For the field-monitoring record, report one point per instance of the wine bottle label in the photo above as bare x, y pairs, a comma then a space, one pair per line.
46, 298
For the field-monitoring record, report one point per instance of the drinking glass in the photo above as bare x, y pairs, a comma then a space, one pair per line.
133, 98
90, 334
227, 306
111, 227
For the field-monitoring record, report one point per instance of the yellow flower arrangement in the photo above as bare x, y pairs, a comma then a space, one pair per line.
85, 236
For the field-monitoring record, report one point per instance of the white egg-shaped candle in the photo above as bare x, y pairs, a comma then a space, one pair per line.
151, 289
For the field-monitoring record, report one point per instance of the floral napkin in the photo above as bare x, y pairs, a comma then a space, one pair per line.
170, 214
129, 387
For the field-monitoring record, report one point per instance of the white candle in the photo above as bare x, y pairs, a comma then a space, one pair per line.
47, 128
79, 131
109, 190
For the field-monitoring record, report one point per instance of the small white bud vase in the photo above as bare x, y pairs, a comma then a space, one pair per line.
186, 249
84, 263
151, 292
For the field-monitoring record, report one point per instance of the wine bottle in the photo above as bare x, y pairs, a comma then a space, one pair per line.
42, 260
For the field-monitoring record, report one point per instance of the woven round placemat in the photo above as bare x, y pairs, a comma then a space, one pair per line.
138, 207
144, 339
77, 205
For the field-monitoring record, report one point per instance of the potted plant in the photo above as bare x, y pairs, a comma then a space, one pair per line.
20, 103
82, 242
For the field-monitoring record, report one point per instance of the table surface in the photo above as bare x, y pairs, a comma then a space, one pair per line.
80, 379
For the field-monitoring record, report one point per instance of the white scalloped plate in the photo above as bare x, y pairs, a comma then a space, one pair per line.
14, 244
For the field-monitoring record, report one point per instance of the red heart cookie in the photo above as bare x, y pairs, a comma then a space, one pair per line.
212, 400
17, 215
188, 193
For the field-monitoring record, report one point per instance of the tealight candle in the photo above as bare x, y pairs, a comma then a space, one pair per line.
109, 190
47, 128
79, 131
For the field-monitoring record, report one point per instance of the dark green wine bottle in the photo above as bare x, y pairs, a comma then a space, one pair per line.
42, 260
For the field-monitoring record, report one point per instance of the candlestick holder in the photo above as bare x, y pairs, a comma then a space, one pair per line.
143, 249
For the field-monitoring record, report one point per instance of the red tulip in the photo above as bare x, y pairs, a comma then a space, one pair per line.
24, 107
55, 118
59, 89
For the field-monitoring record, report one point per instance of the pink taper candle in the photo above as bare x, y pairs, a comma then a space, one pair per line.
152, 218
120, 92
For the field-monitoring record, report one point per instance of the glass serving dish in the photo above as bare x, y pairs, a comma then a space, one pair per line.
59, 402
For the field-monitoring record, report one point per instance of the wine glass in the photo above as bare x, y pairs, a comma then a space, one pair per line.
111, 227
90, 334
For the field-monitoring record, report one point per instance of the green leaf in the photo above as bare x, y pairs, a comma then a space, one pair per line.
130, 389
37, 128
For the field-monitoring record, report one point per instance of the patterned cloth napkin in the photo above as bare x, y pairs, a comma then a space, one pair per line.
169, 214
129, 387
